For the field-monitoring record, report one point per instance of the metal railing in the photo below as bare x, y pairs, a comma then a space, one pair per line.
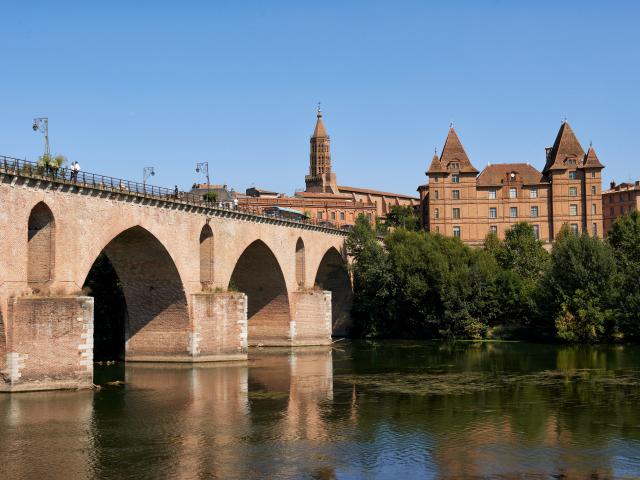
63, 175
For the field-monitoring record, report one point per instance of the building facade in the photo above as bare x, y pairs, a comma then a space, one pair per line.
619, 200
323, 199
461, 201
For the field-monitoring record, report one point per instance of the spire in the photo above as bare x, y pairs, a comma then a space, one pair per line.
565, 147
319, 131
453, 152
435, 166
591, 160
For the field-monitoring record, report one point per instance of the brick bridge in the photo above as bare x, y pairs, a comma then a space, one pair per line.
199, 283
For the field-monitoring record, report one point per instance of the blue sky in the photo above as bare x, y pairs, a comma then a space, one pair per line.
168, 84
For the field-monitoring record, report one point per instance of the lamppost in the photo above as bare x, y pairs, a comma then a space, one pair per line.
42, 124
146, 173
204, 168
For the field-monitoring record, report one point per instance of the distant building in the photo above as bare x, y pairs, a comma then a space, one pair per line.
323, 199
619, 200
460, 201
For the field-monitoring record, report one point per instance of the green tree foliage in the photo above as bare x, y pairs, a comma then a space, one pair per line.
403, 217
581, 289
421, 285
624, 238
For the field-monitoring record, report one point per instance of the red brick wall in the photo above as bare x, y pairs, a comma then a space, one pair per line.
49, 343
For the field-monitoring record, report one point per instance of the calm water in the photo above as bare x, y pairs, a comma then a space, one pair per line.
360, 410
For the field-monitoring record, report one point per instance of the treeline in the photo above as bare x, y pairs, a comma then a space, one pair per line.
416, 284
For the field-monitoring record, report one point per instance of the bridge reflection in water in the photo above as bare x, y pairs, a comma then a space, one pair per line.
357, 410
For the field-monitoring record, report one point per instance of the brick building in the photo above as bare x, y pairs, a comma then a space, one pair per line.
323, 199
619, 200
460, 201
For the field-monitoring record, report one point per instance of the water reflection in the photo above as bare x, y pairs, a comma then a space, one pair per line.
364, 409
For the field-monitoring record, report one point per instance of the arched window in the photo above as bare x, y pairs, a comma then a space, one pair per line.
41, 245
300, 277
206, 256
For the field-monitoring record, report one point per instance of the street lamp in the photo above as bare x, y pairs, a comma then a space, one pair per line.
204, 168
42, 124
146, 173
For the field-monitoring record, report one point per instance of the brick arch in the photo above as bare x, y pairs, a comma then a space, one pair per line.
41, 243
258, 274
300, 263
333, 275
156, 304
206, 256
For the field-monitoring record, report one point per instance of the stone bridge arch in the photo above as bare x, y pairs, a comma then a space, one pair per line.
333, 275
157, 315
257, 274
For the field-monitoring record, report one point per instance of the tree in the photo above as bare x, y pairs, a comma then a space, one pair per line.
522, 253
581, 288
624, 238
403, 217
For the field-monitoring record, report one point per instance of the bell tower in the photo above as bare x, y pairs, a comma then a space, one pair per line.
320, 178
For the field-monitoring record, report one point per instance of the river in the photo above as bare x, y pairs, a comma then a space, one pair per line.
383, 409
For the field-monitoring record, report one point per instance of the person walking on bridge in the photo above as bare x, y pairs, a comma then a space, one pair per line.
75, 169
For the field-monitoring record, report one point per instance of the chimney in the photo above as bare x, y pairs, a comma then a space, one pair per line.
637, 183
612, 184
547, 151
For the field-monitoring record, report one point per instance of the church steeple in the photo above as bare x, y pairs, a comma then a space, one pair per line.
320, 178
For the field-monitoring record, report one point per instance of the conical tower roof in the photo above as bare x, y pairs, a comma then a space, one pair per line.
591, 160
453, 151
319, 131
436, 166
566, 146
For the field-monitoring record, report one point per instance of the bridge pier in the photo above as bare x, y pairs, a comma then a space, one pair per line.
311, 322
49, 344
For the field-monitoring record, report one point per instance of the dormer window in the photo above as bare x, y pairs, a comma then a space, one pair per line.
453, 166
570, 162
512, 177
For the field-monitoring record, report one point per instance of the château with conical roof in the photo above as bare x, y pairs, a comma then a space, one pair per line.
462, 202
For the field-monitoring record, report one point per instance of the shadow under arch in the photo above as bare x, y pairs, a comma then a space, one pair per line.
156, 317
333, 275
40, 245
257, 274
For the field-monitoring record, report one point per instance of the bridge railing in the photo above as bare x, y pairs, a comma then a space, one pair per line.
64, 175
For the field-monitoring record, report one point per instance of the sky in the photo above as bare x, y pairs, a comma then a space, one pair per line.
127, 85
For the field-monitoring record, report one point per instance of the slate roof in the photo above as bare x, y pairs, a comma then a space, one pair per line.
500, 173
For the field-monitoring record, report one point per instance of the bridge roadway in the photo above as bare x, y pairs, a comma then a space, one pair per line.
200, 283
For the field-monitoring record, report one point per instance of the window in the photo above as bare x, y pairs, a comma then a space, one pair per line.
574, 228
455, 178
341, 215
593, 190
492, 194
621, 209
594, 229
493, 229
534, 211
593, 209
573, 175
319, 215
593, 174
513, 212
435, 179
573, 192
536, 232
573, 209
513, 193
333, 215
456, 232
369, 217
455, 194
612, 211
437, 194
436, 213
437, 229
456, 213
533, 193
493, 212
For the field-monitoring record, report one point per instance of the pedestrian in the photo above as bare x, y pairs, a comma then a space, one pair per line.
176, 192
75, 169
